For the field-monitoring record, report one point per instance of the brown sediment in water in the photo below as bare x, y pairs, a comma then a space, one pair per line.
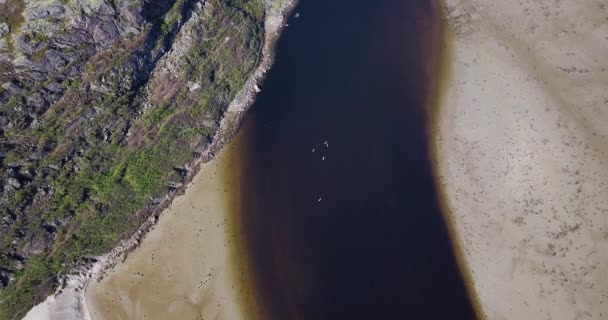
249, 297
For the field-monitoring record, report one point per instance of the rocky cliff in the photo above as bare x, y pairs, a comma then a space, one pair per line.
103, 104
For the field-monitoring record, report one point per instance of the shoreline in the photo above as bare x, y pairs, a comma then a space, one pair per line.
521, 148
440, 90
75, 285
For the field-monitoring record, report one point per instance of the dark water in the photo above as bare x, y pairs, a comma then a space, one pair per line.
352, 73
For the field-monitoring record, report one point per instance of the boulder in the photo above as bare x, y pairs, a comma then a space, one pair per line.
37, 245
210, 123
16, 264
5, 278
14, 183
4, 29
50, 227
44, 10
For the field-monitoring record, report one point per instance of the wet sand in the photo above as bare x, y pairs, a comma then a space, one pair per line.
185, 266
523, 154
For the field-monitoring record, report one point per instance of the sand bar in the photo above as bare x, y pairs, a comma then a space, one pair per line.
523, 147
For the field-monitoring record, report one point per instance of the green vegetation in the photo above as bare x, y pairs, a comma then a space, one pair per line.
165, 26
276, 4
252, 8
143, 172
33, 284
101, 178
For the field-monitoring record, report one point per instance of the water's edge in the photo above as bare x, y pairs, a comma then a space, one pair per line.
443, 68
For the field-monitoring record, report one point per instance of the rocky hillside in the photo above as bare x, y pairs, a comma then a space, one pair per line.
103, 103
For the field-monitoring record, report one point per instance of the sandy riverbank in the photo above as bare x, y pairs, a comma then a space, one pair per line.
185, 266
523, 151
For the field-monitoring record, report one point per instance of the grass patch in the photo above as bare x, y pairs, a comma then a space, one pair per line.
143, 172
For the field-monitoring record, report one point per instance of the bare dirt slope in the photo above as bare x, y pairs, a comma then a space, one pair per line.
523, 147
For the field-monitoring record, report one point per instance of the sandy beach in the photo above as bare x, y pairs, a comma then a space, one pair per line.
522, 146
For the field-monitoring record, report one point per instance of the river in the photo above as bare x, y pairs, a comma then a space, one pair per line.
334, 212
339, 203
